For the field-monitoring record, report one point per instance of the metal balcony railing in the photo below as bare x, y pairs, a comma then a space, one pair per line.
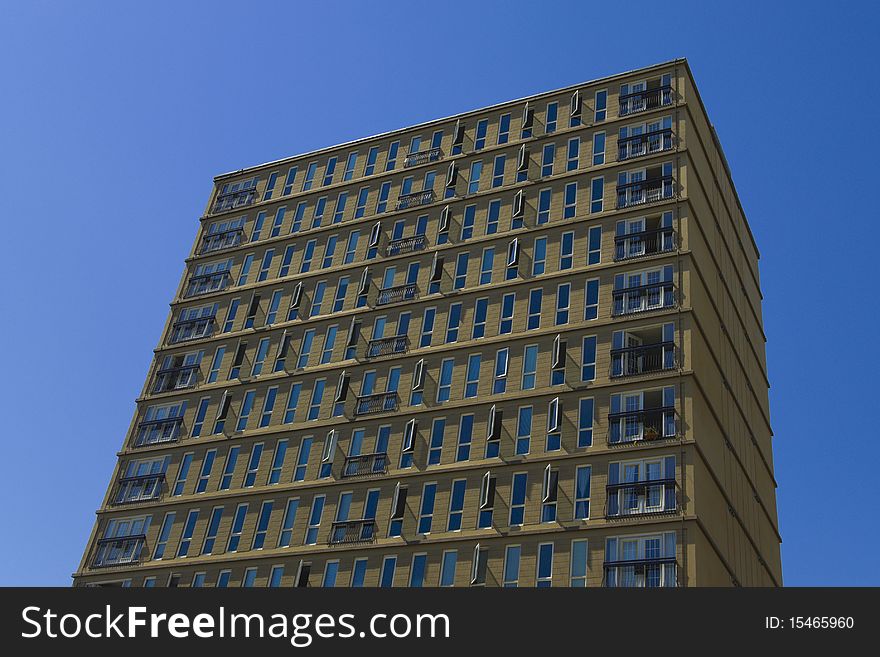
223, 240
122, 551
645, 144
353, 531
365, 465
644, 359
191, 329
237, 198
643, 298
154, 432
414, 200
645, 424
139, 489
647, 99
399, 344
383, 402
641, 498
406, 245
422, 157
641, 192
396, 294
176, 378
641, 573
644, 243
206, 283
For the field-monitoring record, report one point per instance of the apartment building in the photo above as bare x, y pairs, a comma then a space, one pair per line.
521, 346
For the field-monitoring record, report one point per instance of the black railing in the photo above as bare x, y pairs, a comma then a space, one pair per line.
397, 294
641, 498
399, 344
191, 329
648, 573
643, 359
222, 240
642, 101
235, 199
153, 432
142, 488
353, 531
645, 144
422, 157
414, 200
383, 402
365, 465
645, 424
641, 192
644, 243
205, 283
406, 245
176, 378
122, 551
643, 298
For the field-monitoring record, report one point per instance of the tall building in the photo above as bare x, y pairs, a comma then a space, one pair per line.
521, 346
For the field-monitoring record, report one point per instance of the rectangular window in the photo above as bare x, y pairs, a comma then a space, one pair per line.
329, 171
601, 105
548, 155
566, 251
465, 437
502, 357
456, 505
453, 320
498, 171
472, 380
417, 571
518, 498
237, 526
461, 269
549, 494
536, 297
247, 406
205, 474
492, 217
372, 156
480, 134
591, 299
350, 164
302, 460
262, 525
530, 367
188, 529
286, 535
245, 269
438, 428
598, 148
588, 358
382, 198
487, 263
183, 473
288, 182
481, 310
315, 401
274, 303
467, 222
594, 245
544, 576
444, 385
487, 501
426, 514
572, 160
539, 256
585, 423
508, 302
314, 520
427, 327
545, 199
563, 301
298, 217
503, 129
292, 402
310, 176
279, 221
579, 556
512, 554
250, 476
278, 461
524, 430
597, 193
474, 179
582, 493
211, 532
570, 208
447, 568
200, 416
551, 117
229, 468
389, 565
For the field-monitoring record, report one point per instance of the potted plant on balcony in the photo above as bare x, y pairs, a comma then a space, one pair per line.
651, 433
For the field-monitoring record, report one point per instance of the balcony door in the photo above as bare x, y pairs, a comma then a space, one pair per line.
633, 426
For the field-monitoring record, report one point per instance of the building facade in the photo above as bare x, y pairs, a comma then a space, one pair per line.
521, 346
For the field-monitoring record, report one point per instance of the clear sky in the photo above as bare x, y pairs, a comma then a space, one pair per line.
114, 117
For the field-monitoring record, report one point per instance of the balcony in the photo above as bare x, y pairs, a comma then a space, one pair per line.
383, 402
143, 488
365, 465
397, 294
422, 157
647, 99
191, 329
642, 192
353, 531
645, 424
176, 378
643, 359
641, 498
641, 573
154, 432
221, 241
645, 144
399, 344
239, 195
122, 551
207, 283
414, 200
406, 245
645, 243
643, 298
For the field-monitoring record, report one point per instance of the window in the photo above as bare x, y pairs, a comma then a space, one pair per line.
551, 117
382, 198
278, 461
329, 171
570, 208
518, 498
215, 364
522, 164
467, 222
512, 259
286, 535
274, 303
320, 207
275, 576
598, 148
262, 525
563, 298
503, 129
539, 257
456, 505
318, 298
588, 358
579, 557
444, 386
417, 571
554, 426
474, 180
257, 230
505, 325
461, 267
427, 327
237, 526
389, 565
492, 217
372, 156
205, 474
350, 164
524, 430
229, 468
222, 579
453, 320
594, 245
545, 198
279, 221
298, 216
310, 176
358, 573
438, 428
480, 134
305, 348
161, 540
472, 380
447, 568
260, 358
481, 309
315, 402
328, 453
591, 299
585, 423
502, 358
487, 501
288, 182
211, 531
315, 520
549, 491
498, 171
530, 367
250, 476
407, 447
536, 296
245, 269
512, 554
528, 117
641, 548
572, 161
182, 474
398, 507
200, 415
329, 250
426, 514
597, 193
292, 403
329, 342
547, 157
582, 493
188, 528
601, 105
465, 437
247, 406
519, 206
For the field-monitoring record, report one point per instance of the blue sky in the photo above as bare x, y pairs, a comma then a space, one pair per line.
115, 118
